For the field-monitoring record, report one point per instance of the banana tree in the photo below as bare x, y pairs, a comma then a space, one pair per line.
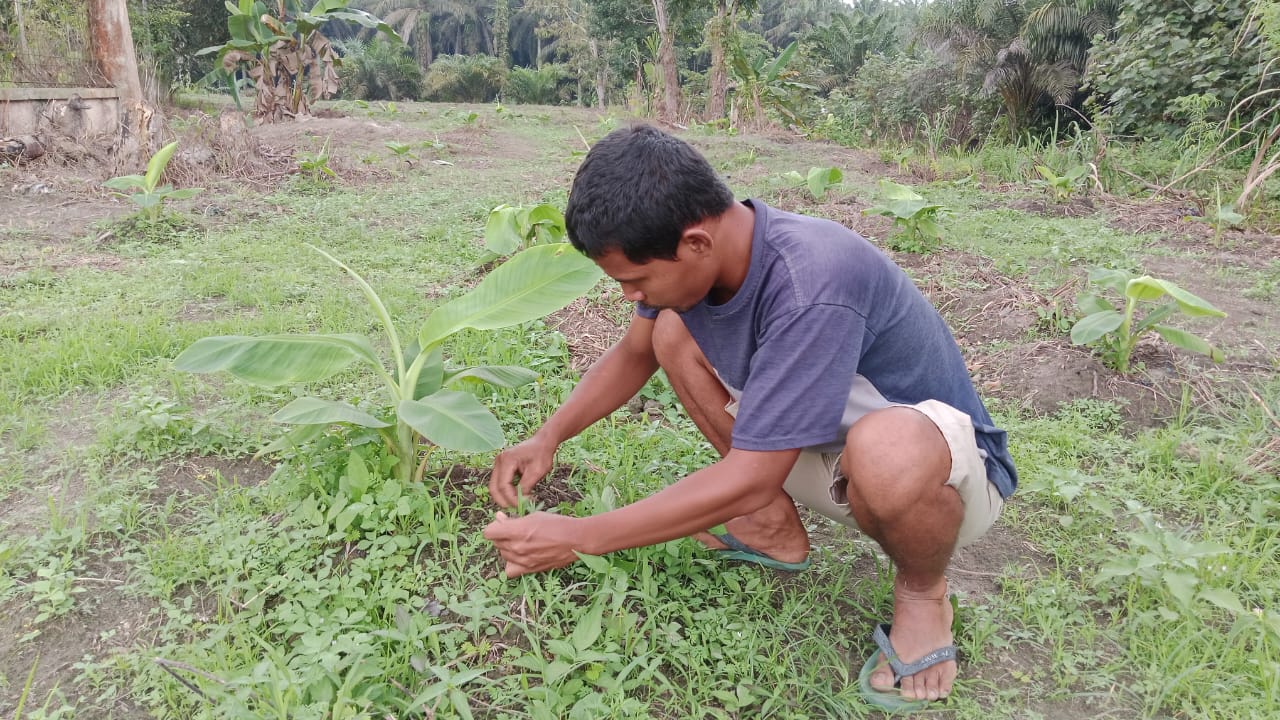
419, 388
765, 82
283, 50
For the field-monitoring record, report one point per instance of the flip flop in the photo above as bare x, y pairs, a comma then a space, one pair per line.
893, 702
743, 552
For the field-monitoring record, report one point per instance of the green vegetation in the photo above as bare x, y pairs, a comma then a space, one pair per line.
1118, 330
150, 564
145, 190
818, 180
326, 583
1061, 187
509, 229
532, 284
915, 217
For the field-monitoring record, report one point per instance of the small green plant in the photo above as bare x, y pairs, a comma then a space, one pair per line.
915, 217
1061, 187
403, 151
1223, 216
53, 591
1171, 566
315, 166
511, 228
819, 180
145, 190
533, 283
1117, 328
149, 426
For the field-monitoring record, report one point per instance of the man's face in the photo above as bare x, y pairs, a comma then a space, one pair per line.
663, 284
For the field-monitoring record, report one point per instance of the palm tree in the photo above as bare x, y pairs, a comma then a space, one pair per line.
439, 27
1027, 51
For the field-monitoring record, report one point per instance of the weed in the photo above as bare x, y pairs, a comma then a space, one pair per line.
150, 426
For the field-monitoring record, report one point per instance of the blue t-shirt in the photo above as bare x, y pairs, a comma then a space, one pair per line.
825, 329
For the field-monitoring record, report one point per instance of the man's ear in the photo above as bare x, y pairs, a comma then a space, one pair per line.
696, 240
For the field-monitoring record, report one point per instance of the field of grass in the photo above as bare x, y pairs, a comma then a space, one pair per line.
149, 566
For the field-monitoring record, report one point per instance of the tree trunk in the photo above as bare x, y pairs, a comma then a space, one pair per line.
112, 42
669, 99
24, 52
501, 30
717, 36
602, 77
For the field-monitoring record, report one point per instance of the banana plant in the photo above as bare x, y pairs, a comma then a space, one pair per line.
1118, 330
281, 46
510, 228
419, 388
145, 190
765, 82
915, 217
819, 180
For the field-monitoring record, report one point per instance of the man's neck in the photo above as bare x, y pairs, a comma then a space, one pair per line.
733, 246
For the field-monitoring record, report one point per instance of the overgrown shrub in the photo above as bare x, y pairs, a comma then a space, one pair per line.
464, 78
1165, 50
379, 71
546, 85
890, 96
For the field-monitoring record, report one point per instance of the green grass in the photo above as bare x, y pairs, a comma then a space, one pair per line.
1142, 563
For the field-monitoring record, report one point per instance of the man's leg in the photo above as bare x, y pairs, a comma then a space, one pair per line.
775, 529
897, 464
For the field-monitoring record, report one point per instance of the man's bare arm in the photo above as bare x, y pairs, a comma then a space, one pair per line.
613, 380
741, 483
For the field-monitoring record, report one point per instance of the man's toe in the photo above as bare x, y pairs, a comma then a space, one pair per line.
882, 677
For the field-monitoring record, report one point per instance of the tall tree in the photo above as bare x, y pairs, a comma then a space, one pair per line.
719, 29
566, 26
439, 27
669, 99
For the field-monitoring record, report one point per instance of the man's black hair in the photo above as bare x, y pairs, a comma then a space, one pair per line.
637, 191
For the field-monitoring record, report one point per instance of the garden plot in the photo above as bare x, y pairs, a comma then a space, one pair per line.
149, 566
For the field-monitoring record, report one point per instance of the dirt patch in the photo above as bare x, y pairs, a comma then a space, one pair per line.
105, 619
1070, 208
46, 208
197, 476
589, 327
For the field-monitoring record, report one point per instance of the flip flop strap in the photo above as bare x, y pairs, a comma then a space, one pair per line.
735, 544
901, 669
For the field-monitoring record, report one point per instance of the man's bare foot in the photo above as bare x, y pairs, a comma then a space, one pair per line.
774, 530
921, 624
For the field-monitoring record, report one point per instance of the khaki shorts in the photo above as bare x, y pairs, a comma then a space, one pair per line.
818, 483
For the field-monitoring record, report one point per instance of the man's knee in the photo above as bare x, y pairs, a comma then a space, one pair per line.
671, 339
895, 451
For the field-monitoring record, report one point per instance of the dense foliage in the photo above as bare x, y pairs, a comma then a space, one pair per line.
1164, 51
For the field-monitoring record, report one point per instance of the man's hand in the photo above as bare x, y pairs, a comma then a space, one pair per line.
529, 461
533, 543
